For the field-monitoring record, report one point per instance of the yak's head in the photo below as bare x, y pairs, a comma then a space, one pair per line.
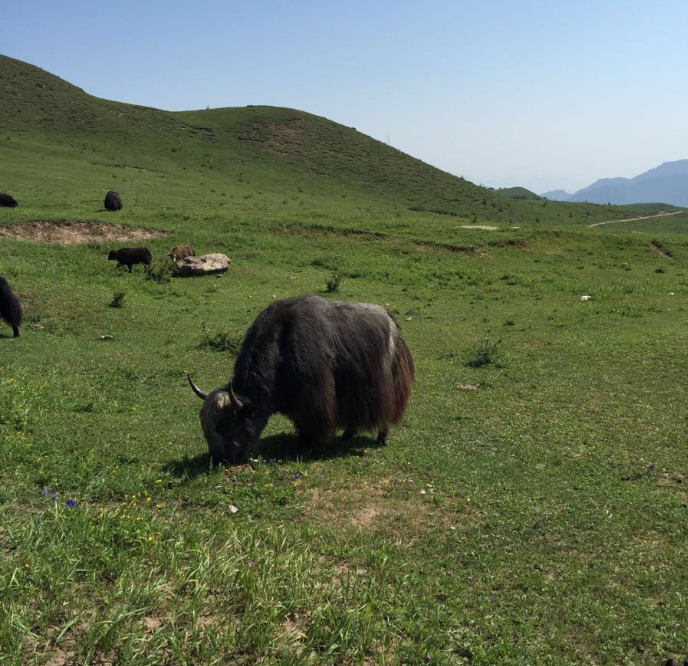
112, 255
228, 423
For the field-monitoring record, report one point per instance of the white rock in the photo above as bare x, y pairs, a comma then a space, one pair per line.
205, 265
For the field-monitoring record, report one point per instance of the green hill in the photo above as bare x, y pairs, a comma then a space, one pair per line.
272, 147
55, 133
517, 193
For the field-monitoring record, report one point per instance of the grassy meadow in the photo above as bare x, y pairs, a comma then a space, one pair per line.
530, 509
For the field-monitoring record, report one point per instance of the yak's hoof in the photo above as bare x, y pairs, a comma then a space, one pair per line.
383, 439
348, 434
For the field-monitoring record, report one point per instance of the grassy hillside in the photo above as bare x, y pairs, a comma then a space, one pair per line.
517, 193
253, 156
530, 509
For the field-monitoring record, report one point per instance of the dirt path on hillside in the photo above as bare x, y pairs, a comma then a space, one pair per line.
635, 219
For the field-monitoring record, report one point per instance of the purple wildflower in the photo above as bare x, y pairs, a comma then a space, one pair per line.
251, 563
250, 484
516, 639
71, 503
51, 491
428, 657
44, 492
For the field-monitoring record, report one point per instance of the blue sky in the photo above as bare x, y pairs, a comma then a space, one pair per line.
544, 94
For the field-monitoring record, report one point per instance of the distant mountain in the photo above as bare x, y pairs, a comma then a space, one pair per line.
556, 195
667, 183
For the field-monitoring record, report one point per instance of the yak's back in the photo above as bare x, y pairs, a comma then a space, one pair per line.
338, 355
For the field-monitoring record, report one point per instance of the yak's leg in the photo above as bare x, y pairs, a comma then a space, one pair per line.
306, 439
129, 265
383, 436
16, 330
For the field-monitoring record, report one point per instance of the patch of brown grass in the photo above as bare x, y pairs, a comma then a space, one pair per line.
379, 509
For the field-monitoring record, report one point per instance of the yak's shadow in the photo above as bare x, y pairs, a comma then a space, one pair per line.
284, 447
189, 468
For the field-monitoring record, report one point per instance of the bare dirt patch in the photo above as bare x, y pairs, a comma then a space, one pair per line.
70, 233
482, 227
377, 509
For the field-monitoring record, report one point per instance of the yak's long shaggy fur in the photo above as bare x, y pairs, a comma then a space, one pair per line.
129, 256
112, 201
326, 365
7, 201
10, 309
181, 252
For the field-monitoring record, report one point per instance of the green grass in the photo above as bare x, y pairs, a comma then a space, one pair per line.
529, 510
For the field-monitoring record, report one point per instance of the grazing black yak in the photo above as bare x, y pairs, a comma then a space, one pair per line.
7, 201
10, 309
326, 365
113, 201
181, 252
128, 256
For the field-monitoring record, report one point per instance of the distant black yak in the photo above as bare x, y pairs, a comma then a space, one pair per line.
326, 365
128, 256
10, 309
113, 201
181, 252
6, 201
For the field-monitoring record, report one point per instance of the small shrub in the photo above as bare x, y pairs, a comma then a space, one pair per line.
484, 354
333, 282
221, 341
158, 272
117, 299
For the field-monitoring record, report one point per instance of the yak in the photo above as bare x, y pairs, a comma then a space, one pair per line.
10, 309
181, 252
326, 365
7, 201
113, 201
128, 256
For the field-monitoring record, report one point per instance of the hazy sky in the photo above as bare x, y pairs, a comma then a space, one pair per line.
544, 94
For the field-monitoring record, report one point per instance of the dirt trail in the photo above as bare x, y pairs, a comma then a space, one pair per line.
635, 219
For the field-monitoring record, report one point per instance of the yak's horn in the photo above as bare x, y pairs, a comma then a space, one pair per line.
196, 390
236, 403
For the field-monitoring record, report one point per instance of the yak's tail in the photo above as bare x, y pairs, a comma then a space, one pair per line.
10, 309
403, 373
